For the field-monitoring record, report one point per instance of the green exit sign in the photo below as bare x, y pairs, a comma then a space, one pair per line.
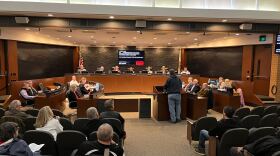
262, 38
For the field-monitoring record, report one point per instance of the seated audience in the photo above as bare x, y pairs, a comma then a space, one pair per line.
185, 71
46, 122
84, 87
72, 96
195, 87
94, 123
109, 111
9, 142
226, 123
15, 109
104, 141
74, 81
27, 94
187, 87
203, 91
116, 69
82, 69
265, 146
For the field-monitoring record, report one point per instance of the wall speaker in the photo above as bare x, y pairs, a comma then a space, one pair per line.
246, 26
22, 20
140, 24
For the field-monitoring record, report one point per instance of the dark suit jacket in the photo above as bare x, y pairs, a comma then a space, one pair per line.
72, 99
91, 126
112, 114
83, 89
195, 89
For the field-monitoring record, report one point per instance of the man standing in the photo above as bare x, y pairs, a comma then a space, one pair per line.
173, 88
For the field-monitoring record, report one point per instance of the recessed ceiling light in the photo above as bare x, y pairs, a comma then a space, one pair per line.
85, 30
114, 42
224, 20
195, 39
58, 38
69, 36
155, 38
134, 38
50, 15
169, 43
151, 43
91, 36
111, 17
94, 41
27, 29
237, 34
187, 32
169, 19
175, 38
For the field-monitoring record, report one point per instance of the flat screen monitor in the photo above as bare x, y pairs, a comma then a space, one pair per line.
131, 57
277, 45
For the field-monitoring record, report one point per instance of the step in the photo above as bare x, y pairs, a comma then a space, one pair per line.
268, 103
265, 98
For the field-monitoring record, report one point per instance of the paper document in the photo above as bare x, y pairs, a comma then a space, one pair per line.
34, 147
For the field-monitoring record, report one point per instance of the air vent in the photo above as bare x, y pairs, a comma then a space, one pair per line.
63, 30
88, 31
182, 34
113, 32
160, 34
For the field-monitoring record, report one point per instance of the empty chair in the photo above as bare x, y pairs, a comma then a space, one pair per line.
93, 137
257, 111
69, 140
270, 110
193, 129
33, 112
80, 123
2, 112
250, 121
29, 123
242, 112
42, 137
232, 138
57, 112
66, 124
270, 120
259, 133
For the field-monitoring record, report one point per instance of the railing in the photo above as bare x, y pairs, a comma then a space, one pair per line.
263, 5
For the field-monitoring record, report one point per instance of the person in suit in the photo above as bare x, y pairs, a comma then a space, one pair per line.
94, 123
189, 85
104, 141
32, 91
116, 69
185, 71
9, 142
84, 87
27, 94
82, 69
173, 87
72, 96
203, 91
130, 70
15, 109
195, 87
110, 113
74, 81
226, 123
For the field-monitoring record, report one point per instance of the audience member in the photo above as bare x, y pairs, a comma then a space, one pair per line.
74, 81
188, 86
46, 122
15, 109
265, 146
10, 144
102, 145
94, 123
84, 87
195, 87
173, 87
82, 69
226, 123
185, 71
203, 91
27, 94
109, 111
72, 96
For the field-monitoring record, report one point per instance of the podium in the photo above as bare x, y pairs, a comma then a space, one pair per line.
222, 99
196, 106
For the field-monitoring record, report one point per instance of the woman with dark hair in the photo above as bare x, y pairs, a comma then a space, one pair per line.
10, 144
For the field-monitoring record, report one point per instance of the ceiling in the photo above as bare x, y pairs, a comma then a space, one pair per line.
119, 37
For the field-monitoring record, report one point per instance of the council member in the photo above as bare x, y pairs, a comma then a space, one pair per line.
82, 69
74, 81
27, 95
173, 87
185, 71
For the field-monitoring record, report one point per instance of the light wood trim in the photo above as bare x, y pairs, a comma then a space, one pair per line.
212, 146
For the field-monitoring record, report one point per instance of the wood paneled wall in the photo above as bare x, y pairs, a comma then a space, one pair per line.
247, 60
2, 69
76, 56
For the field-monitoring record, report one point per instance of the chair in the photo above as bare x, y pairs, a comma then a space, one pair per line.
80, 123
270, 120
33, 112
227, 141
270, 110
258, 133
29, 123
93, 137
242, 112
66, 124
257, 111
74, 152
116, 125
57, 112
193, 129
16, 120
250, 121
42, 137
2, 112
276, 153
69, 140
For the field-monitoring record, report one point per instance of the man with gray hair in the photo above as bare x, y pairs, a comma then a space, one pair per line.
15, 109
109, 111
103, 143
94, 123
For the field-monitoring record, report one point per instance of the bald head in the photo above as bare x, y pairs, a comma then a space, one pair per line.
195, 81
105, 133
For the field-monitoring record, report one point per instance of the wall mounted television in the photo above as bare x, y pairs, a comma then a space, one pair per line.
131, 57
277, 44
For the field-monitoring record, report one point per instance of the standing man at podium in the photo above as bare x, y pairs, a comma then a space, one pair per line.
173, 88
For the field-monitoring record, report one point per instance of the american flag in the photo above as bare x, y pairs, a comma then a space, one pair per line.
81, 60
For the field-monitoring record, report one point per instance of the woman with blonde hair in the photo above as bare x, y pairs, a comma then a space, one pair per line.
46, 122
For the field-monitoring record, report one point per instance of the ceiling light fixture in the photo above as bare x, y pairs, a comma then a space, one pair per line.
169, 43
237, 34
111, 17
224, 20
27, 29
155, 38
169, 19
195, 39
91, 36
134, 38
50, 15
69, 36
187, 32
175, 38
